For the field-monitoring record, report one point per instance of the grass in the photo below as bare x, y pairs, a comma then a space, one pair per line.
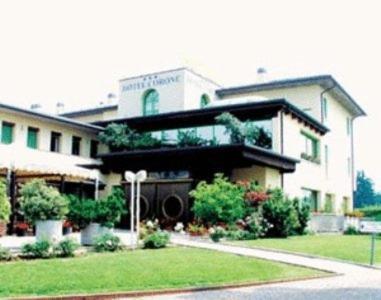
354, 248
139, 270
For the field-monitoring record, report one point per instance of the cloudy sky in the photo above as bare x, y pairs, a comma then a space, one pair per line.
75, 51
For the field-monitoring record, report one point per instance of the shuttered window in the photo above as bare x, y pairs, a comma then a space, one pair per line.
55, 142
32, 138
76, 145
7, 133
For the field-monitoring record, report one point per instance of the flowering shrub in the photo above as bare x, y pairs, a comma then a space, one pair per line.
196, 229
156, 240
216, 233
107, 243
148, 227
179, 227
66, 248
5, 254
40, 249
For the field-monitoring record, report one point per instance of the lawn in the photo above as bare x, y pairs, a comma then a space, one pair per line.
354, 248
139, 270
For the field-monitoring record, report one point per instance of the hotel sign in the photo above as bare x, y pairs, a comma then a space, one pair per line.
370, 227
150, 82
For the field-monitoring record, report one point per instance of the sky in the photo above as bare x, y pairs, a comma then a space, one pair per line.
76, 51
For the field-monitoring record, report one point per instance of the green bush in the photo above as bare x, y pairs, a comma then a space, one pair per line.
188, 138
107, 243
303, 212
111, 208
115, 136
216, 233
280, 213
5, 254
5, 207
220, 201
156, 240
66, 248
42, 202
351, 230
106, 211
372, 211
40, 249
233, 127
120, 137
81, 211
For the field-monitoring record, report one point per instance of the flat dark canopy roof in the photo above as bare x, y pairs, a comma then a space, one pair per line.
206, 116
196, 158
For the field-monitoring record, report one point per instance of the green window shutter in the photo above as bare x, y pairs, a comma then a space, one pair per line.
7, 133
32, 138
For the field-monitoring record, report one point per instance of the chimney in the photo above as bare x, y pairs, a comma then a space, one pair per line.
261, 75
110, 98
60, 106
35, 106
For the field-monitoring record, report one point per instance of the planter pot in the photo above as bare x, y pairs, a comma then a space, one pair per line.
104, 230
49, 230
3, 228
89, 233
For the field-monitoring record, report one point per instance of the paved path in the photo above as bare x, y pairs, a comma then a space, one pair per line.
356, 282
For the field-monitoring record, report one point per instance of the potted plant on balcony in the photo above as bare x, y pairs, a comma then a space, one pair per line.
5, 208
45, 207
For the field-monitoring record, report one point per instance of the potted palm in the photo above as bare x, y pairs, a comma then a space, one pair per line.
45, 207
5, 208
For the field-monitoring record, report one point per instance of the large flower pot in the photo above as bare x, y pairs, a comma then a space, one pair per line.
104, 230
3, 228
89, 233
49, 230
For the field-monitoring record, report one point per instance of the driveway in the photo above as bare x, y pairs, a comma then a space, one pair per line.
354, 282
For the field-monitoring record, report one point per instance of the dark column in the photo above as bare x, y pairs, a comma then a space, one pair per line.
62, 184
12, 196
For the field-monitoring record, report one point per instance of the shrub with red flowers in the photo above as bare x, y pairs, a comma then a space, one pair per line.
254, 194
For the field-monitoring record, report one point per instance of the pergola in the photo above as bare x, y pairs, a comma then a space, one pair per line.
18, 165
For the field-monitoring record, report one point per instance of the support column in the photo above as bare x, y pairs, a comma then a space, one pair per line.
12, 189
62, 184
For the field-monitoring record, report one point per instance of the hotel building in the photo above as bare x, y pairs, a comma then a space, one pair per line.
309, 122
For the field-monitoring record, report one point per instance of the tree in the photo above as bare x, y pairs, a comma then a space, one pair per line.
364, 195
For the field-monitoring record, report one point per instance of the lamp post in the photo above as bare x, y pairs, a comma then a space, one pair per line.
132, 178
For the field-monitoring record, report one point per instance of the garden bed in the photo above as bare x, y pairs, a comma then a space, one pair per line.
141, 270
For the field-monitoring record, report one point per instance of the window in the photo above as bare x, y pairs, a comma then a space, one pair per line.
7, 133
311, 147
325, 109
32, 138
55, 142
94, 148
204, 101
349, 126
76, 145
311, 198
151, 103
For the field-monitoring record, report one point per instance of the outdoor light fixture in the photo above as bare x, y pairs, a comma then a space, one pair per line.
132, 178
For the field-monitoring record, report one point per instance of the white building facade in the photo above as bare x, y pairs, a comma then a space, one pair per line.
310, 121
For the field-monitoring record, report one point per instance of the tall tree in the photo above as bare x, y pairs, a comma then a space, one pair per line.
365, 194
